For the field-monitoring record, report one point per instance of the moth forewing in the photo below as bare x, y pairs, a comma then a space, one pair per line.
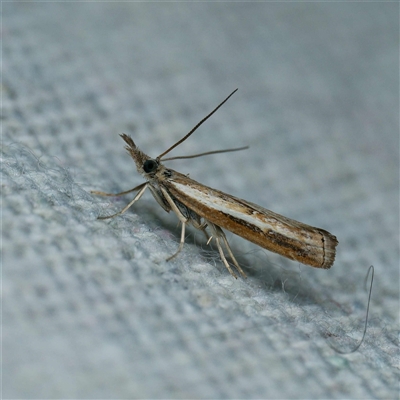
289, 238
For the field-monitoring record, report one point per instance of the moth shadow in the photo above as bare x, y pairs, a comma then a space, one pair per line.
269, 272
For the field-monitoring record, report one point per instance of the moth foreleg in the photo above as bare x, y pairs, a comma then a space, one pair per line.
99, 193
141, 189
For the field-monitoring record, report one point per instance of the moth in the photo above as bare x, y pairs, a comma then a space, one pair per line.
211, 210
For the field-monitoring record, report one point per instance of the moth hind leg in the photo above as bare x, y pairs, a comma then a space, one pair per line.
219, 234
197, 224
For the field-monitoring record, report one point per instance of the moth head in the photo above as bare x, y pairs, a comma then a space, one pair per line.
144, 164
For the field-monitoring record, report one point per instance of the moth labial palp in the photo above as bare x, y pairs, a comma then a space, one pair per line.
210, 210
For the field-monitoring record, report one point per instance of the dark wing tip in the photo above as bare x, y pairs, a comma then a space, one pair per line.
330, 243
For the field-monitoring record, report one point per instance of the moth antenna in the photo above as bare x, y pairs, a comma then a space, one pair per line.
206, 153
203, 120
371, 268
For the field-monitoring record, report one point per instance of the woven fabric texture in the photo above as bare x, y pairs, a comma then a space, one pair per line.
91, 309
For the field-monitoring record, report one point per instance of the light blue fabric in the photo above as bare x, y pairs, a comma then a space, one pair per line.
91, 309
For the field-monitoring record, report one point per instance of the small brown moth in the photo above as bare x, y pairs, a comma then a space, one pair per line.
207, 208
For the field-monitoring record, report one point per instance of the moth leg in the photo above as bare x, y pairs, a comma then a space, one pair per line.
141, 189
202, 226
98, 193
196, 225
182, 242
181, 217
231, 254
208, 238
223, 258
219, 234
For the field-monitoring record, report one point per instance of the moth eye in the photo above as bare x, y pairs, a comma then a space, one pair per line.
150, 166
